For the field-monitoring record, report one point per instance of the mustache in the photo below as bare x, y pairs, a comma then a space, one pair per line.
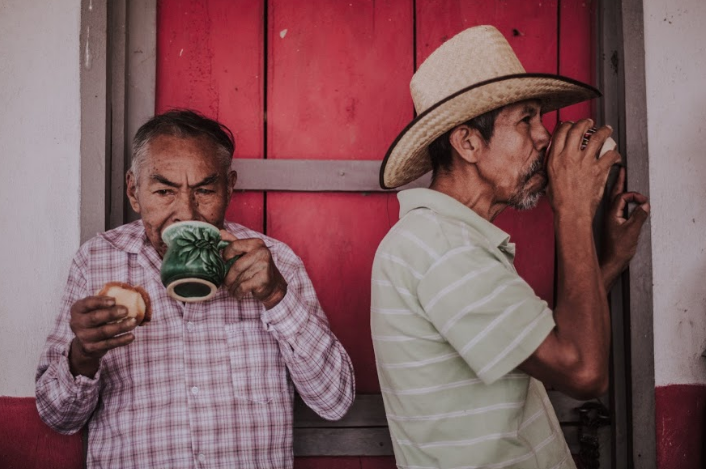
537, 167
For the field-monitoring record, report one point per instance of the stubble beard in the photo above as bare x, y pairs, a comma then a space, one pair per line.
525, 198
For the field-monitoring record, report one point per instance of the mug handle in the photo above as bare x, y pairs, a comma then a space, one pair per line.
229, 263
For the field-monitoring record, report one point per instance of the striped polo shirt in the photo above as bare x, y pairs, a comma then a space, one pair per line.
451, 321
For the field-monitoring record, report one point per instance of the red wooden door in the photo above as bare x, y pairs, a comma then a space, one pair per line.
330, 80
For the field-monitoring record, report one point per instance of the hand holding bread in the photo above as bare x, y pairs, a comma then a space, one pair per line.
134, 298
102, 323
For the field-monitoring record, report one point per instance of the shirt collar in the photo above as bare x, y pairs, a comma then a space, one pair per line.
128, 238
447, 206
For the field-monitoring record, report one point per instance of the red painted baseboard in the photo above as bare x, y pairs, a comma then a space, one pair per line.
27, 443
680, 421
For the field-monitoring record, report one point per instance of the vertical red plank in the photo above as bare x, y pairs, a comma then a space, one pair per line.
210, 56
338, 88
577, 51
531, 29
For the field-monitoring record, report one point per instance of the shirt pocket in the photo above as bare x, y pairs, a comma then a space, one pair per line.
258, 371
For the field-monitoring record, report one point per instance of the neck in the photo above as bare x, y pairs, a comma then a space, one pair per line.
469, 188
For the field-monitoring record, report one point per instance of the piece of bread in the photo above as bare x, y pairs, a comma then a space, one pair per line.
135, 299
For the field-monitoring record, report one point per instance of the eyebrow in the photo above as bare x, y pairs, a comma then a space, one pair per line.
530, 109
206, 181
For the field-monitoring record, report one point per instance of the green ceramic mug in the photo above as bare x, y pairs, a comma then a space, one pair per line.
193, 269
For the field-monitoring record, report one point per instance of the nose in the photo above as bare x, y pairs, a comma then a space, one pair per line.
185, 207
541, 137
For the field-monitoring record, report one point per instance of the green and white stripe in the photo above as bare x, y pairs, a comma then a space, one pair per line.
451, 321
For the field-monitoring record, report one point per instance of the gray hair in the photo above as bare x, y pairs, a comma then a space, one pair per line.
182, 123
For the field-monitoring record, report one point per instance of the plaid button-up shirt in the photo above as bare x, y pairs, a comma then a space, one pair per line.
206, 384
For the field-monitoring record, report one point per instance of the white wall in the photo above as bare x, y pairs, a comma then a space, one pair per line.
39, 176
675, 44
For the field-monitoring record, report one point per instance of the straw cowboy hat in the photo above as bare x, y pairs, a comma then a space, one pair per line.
472, 73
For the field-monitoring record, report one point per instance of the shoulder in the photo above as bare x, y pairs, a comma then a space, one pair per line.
424, 232
125, 238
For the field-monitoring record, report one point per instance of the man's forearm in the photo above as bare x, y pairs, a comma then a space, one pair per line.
319, 366
581, 309
65, 403
610, 274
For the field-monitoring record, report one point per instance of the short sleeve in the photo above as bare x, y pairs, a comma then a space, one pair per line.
487, 312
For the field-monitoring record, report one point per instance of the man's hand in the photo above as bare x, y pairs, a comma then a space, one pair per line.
576, 177
93, 323
255, 272
620, 234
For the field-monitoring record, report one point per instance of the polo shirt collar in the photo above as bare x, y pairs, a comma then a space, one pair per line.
447, 206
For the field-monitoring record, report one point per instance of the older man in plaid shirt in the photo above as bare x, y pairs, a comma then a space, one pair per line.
206, 384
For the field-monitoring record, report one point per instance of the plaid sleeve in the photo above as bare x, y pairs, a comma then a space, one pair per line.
65, 402
319, 366
487, 312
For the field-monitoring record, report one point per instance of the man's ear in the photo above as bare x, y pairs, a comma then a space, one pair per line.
131, 189
467, 142
232, 179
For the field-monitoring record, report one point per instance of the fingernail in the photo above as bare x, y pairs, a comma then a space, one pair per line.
109, 301
609, 126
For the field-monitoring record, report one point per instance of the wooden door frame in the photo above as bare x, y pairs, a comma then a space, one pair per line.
118, 71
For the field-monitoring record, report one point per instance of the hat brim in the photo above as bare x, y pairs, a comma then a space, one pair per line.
407, 158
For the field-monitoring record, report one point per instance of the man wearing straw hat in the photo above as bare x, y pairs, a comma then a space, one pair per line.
462, 343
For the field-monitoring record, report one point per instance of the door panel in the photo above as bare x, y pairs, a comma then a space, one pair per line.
577, 51
210, 58
338, 90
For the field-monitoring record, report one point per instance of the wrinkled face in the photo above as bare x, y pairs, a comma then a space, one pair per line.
180, 179
514, 163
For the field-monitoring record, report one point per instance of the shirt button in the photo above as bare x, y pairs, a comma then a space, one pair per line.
194, 390
202, 457
189, 326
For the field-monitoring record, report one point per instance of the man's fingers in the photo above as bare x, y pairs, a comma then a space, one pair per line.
596, 141
244, 276
108, 331
253, 284
226, 236
242, 246
101, 347
640, 214
622, 200
634, 197
609, 159
559, 138
578, 130
98, 317
90, 303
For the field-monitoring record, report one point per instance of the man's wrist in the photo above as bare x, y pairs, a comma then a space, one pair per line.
80, 363
579, 217
275, 297
610, 272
